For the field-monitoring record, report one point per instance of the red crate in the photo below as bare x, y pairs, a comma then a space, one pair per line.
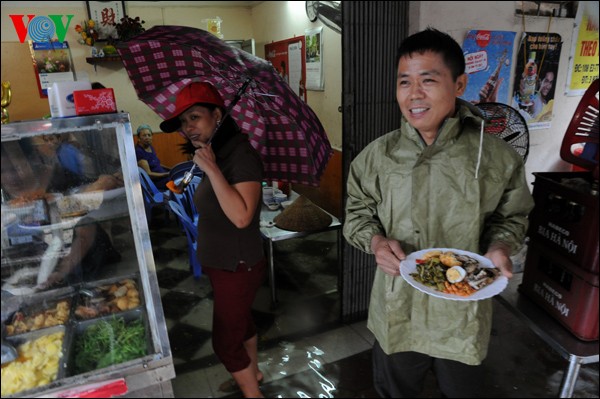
565, 216
567, 292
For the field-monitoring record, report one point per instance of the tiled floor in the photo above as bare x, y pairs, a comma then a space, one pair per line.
304, 351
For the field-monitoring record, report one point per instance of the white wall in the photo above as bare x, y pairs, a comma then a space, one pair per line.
279, 20
265, 22
458, 17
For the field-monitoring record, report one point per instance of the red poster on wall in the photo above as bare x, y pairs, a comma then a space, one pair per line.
288, 58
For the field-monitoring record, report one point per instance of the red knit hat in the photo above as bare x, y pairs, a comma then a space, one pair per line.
192, 94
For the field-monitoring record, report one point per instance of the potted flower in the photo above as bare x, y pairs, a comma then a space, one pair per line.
129, 27
87, 31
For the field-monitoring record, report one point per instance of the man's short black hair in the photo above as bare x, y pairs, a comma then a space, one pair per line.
435, 41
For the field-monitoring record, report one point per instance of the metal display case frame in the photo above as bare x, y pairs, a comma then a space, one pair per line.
149, 375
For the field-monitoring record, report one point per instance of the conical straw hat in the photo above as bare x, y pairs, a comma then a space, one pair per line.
302, 215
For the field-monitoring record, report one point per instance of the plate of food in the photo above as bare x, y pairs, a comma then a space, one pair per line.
81, 203
453, 274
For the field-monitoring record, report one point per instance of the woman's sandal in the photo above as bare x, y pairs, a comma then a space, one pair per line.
229, 386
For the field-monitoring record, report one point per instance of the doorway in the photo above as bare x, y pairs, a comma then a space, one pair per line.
371, 33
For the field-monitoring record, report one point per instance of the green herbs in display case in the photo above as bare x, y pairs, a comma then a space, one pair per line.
107, 342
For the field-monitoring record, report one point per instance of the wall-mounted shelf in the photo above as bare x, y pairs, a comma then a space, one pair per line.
95, 61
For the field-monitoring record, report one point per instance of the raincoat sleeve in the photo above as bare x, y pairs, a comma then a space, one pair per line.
508, 223
362, 220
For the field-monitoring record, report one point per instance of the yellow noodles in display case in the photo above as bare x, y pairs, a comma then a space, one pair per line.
38, 363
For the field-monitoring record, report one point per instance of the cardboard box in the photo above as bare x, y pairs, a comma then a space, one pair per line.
98, 101
60, 97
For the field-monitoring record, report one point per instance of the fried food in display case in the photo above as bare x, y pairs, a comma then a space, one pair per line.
107, 297
38, 316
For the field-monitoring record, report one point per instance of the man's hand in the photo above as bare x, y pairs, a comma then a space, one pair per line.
104, 182
388, 254
499, 254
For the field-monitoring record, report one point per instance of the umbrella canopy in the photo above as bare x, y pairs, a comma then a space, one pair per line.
281, 127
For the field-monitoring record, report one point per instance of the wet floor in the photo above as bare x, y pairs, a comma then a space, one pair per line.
305, 352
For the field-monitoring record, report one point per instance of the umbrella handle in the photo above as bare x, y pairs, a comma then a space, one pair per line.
187, 178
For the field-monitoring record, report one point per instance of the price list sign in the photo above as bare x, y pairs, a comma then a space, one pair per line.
583, 66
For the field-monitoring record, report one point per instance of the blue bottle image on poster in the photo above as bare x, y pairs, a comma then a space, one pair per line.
488, 58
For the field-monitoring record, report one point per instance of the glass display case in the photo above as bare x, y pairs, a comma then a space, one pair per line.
80, 295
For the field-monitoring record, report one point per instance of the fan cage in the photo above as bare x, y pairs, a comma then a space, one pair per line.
330, 13
508, 124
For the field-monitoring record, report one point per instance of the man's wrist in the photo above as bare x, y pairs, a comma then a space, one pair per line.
500, 246
375, 240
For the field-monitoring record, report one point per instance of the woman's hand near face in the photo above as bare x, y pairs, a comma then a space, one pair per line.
205, 158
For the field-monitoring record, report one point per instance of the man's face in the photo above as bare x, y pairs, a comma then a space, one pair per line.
546, 84
426, 91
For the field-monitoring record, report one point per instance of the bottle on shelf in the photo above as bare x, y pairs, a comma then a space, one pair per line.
528, 80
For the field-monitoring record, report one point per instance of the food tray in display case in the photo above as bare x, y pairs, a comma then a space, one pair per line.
36, 316
102, 342
108, 297
41, 355
65, 182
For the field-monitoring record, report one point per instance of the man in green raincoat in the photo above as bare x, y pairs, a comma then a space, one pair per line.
437, 182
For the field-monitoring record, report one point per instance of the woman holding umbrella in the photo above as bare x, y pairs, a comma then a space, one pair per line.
229, 241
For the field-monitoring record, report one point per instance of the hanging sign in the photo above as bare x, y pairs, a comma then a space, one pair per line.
535, 78
314, 59
488, 56
52, 63
583, 62
287, 57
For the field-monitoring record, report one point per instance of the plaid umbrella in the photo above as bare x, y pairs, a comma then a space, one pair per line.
283, 129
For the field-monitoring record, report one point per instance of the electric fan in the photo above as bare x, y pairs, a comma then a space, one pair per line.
328, 12
580, 144
506, 123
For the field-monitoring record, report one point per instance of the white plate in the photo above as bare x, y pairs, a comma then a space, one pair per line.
409, 265
87, 201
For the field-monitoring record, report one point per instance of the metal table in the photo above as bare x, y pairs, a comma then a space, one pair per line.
577, 352
273, 233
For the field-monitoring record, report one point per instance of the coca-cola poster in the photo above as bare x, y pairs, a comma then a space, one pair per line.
488, 58
288, 58
534, 86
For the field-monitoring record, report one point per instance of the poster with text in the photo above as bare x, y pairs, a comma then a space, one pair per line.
534, 86
488, 57
287, 57
583, 64
52, 62
314, 59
